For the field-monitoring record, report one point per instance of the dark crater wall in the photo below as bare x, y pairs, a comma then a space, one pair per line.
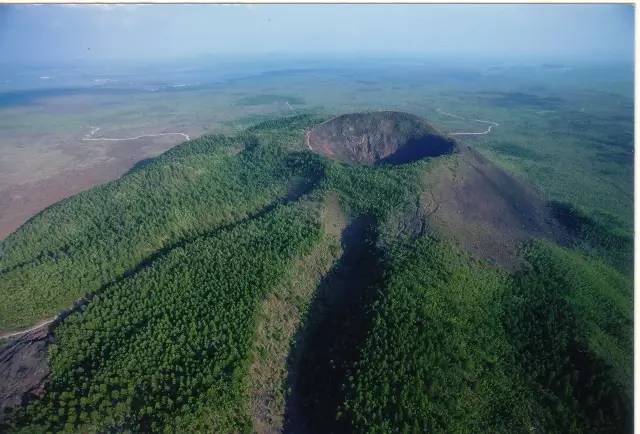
378, 138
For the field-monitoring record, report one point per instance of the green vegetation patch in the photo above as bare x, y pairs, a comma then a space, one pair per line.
519, 99
570, 320
454, 344
436, 358
603, 241
516, 151
167, 350
375, 191
287, 133
81, 244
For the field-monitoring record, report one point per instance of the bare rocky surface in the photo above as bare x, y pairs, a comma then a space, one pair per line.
378, 137
24, 368
487, 211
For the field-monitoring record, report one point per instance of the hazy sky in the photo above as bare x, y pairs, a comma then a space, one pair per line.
41, 33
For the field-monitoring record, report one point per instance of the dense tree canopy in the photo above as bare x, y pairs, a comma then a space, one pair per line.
454, 345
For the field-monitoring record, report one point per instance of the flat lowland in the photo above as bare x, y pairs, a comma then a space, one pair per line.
39, 172
45, 155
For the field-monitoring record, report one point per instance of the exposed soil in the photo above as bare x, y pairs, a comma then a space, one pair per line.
24, 362
24, 369
487, 211
16, 334
379, 137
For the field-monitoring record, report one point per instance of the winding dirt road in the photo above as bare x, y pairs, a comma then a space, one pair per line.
24, 332
94, 130
306, 140
481, 133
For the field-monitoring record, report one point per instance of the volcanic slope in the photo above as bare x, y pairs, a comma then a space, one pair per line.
487, 211
247, 283
466, 198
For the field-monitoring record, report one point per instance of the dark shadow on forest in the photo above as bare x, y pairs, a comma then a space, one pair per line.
327, 344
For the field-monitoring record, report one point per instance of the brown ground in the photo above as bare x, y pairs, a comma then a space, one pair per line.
23, 368
30, 183
487, 211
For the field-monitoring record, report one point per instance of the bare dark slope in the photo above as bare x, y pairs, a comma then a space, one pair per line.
487, 211
23, 369
374, 138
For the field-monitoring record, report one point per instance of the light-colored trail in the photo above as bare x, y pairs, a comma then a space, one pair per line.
451, 115
306, 140
24, 332
94, 130
480, 133
306, 134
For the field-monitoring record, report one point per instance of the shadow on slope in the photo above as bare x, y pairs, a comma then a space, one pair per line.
328, 343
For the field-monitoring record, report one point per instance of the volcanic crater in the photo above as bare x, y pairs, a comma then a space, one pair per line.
378, 138
473, 202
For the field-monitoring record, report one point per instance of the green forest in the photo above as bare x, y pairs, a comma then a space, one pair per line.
172, 264
453, 345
